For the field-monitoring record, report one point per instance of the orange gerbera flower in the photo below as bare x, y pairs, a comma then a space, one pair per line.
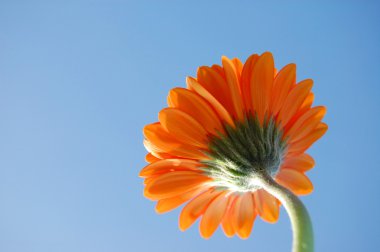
231, 123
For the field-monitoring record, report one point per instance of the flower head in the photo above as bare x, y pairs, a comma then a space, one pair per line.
232, 123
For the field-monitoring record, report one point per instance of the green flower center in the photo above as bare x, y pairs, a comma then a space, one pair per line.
248, 149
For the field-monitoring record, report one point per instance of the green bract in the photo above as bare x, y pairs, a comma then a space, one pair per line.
248, 149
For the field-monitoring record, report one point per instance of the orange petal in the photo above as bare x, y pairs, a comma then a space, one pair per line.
220, 110
308, 101
165, 142
233, 86
169, 165
306, 123
246, 81
174, 183
215, 83
151, 158
238, 66
218, 69
303, 144
295, 181
294, 101
155, 151
213, 215
302, 162
183, 127
282, 85
267, 206
168, 204
244, 215
149, 179
195, 106
228, 219
195, 208
262, 84
151, 147
306, 105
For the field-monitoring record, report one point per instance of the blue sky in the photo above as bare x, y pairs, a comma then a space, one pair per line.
80, 79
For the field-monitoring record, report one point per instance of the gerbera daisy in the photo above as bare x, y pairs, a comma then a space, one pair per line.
230, 143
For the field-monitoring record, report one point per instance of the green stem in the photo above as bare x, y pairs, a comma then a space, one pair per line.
301, 224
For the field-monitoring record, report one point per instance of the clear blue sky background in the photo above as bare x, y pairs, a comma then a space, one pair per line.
80, 79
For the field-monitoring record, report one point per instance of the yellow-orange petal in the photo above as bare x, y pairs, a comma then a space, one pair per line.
213, 216
168, 204
262, 84
195, 106
233, 87
266, 206
169, 165
164, 141
183, 127
219, 108
294, 101
215, 83
246, 81
306, 123
195, 208
228, 218
295, 181
302, 162
282, 85
174, 183
244, 215
303, 144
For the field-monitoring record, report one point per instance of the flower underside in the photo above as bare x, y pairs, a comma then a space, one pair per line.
249, 149
230, 142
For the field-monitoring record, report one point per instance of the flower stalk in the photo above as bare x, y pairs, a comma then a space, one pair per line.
303, 240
